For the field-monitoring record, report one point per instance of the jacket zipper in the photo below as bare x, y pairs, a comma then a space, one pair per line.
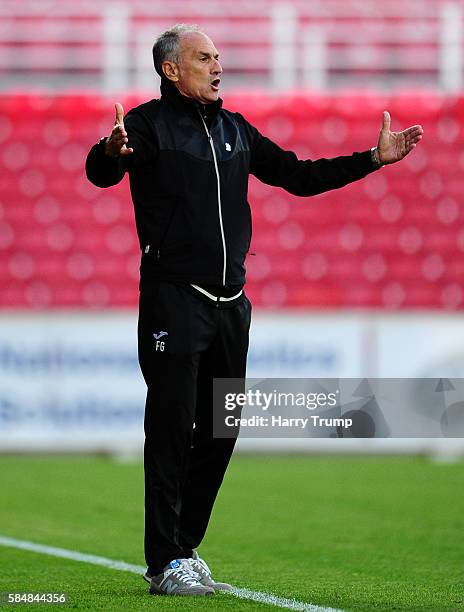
211, 144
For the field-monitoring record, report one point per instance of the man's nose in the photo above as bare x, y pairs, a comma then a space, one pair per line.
217, 69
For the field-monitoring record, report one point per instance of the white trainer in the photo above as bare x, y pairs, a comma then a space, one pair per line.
200, 566
178, 578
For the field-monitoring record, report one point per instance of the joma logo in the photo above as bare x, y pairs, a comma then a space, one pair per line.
160, 335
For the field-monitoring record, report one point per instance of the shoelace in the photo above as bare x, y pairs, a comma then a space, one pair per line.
186, 575
200, 566
200, 570
204, 565
189, 567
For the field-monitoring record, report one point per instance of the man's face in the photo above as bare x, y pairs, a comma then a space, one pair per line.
198, 70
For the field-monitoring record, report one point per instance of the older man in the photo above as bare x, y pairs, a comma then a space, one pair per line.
188, 161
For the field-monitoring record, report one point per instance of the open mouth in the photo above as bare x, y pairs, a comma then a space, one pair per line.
215, 84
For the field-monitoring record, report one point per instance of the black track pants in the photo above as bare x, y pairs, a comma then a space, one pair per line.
184, 342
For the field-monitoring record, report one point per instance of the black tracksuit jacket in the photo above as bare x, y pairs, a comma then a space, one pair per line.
189, 183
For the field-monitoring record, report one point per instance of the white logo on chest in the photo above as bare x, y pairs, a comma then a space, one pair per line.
228, 147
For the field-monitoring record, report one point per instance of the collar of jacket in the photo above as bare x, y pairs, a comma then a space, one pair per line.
170, 93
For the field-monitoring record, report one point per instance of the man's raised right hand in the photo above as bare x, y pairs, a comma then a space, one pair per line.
116, 144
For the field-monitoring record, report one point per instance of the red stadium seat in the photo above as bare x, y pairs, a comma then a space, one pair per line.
394, 240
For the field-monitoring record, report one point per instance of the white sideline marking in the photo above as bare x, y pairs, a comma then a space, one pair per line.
280, 602
266, 598
71, 554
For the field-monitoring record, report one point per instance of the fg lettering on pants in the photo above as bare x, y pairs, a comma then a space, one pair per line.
159, 344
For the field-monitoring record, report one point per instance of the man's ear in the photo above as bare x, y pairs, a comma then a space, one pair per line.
170, 70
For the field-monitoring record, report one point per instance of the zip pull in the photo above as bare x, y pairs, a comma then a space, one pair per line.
158, 254
204, 125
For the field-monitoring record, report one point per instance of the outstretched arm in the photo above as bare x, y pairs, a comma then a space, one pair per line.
132, 142
274, 166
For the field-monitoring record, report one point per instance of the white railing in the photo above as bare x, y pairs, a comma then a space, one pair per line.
275, 45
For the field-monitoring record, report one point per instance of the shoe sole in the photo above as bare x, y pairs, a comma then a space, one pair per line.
155, 591
221, 586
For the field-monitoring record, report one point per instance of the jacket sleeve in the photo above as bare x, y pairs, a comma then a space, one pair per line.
104, 171
274, 166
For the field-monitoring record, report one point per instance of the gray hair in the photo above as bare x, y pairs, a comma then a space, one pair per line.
167, 45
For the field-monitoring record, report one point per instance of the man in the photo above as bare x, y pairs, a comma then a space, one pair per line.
188, 161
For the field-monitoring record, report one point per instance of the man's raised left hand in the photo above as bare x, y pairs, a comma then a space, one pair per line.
394, 146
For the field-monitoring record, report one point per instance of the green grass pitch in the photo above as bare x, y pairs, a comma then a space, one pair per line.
358, 534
